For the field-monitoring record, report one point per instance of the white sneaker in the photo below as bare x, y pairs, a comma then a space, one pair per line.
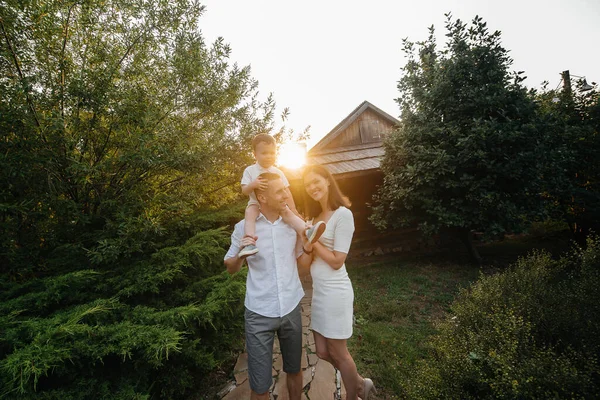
314, 232
248, 251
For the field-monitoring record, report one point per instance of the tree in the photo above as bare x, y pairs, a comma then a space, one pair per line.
120, 157
571, 120
464, 156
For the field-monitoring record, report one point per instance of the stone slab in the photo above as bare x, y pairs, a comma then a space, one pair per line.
305, 320
280, 391
304, 360
241, 377
278, 362
226, 389
307, 376
241, 392
322, 386
242, 363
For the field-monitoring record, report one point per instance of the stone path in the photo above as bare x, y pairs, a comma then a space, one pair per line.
320, 380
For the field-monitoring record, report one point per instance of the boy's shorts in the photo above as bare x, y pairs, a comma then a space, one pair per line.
260, 334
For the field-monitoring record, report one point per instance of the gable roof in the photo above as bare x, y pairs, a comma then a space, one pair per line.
346, 122
350, 159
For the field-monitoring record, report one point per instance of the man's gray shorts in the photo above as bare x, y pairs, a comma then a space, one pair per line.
260, 333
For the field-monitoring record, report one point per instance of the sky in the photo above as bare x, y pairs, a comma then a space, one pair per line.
321, 59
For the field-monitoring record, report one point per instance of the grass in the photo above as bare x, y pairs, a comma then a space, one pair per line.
396, 305
399, 299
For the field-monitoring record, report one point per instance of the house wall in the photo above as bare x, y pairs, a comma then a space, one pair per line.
367, 128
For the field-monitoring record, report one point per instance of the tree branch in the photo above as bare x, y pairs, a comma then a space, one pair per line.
20, 72
62, 62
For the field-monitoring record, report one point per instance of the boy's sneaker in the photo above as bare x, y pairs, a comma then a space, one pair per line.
248, 251
314, 232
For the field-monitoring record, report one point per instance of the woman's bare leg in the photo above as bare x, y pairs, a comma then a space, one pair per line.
321, 347
338, 351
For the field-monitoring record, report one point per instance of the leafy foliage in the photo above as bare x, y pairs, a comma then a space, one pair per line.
526, 333
464, 157
120, 158
571, 119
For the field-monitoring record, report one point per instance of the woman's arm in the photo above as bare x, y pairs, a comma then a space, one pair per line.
306, 258
342, 238
304, 262
335, 259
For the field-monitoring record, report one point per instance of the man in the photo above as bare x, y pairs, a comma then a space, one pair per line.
273, 291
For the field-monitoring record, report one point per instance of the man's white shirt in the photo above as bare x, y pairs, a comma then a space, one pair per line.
273, 288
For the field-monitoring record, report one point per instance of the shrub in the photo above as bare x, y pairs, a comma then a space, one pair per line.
528, 332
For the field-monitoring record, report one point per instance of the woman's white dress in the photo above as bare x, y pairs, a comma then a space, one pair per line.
333, 297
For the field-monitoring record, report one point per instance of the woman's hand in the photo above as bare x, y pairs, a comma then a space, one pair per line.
306, 245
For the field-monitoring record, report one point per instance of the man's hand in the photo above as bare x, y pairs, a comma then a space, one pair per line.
247, 240
234, 264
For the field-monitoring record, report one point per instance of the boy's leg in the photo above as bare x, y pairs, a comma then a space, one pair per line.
290, 343
250, 216
294, 221
260, 333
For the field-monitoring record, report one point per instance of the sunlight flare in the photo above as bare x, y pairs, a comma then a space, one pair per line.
292, 155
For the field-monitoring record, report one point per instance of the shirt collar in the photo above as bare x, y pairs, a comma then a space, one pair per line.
261, 216
261, 168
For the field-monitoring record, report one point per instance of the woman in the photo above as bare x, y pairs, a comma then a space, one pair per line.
333, 297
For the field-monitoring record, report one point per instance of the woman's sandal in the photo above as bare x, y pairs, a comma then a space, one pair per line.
368, 387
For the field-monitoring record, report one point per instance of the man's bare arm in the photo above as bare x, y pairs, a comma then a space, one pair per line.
234, 264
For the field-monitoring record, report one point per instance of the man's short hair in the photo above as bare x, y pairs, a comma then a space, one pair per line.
269, 176
262, 138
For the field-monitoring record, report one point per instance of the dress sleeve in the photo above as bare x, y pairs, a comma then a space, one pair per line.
236, 239
344, 229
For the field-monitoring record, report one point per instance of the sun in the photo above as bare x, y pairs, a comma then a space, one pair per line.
292, 155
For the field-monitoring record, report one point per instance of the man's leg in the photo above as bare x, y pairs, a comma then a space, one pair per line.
260, 333
290, 342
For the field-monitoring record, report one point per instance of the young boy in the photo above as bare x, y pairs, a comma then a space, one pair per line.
265, 153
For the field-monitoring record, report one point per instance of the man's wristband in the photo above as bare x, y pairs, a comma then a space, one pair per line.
306, 251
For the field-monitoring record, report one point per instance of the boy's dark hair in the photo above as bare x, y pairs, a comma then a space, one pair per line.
269, 176
262, 138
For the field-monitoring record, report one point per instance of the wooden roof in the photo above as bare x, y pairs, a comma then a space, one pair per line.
355, 146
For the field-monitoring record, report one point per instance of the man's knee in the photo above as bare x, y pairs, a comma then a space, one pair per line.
262, 396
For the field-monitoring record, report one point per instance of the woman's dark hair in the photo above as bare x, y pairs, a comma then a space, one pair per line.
336, 198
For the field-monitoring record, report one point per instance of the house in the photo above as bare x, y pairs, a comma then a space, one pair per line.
352, 151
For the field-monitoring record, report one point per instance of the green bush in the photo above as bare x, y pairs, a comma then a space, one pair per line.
156, 326
530, 332
122, 141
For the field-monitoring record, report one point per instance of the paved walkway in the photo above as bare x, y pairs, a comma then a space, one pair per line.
320, 380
